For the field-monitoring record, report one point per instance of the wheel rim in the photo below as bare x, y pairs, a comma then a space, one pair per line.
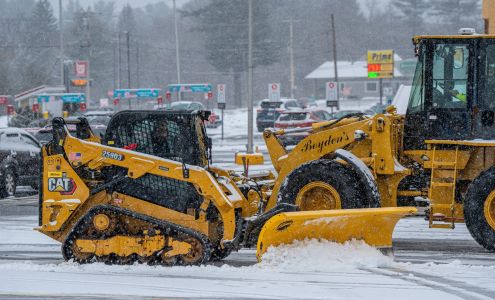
101, 222
318, 195
489, 209
9, 184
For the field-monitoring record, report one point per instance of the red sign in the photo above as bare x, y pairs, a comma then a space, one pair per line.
374, 67
82, 106
159, 100
4, 100
36, 107
81, 68
116, 101
10, 110
168, 95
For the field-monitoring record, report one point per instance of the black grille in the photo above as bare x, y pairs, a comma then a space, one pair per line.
171, 193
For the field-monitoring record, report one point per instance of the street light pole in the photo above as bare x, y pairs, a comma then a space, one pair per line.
291, 55
177, 54
250, 77
128, 65
334, 46
61, 28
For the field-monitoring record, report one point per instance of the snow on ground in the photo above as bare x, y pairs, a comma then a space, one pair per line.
306, 269
3, 121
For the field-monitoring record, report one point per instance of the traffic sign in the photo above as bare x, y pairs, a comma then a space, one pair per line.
4, 100
79, 82
10, 109
381, 64
195, 87
274, 91
81, 68
136, 93
221, 93
73, 98
331, 90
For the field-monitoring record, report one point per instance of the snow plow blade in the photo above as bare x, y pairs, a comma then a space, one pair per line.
372, 225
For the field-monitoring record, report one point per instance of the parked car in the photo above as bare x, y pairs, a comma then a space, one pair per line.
19, 160
376, 109
341, 113
99, 116
44, 135
214, 121
303, 118
298, 119
185, 105
269, 111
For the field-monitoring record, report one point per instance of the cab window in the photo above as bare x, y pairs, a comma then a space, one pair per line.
416, 101
450, 76
488, 92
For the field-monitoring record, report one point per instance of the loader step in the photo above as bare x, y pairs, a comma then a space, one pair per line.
443, 164
442, 184
444, 226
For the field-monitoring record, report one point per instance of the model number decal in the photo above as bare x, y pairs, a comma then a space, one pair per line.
113, 155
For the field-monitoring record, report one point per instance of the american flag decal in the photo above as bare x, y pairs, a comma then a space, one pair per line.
75, 156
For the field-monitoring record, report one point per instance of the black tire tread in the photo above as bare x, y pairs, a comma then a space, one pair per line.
476, 194
341, 177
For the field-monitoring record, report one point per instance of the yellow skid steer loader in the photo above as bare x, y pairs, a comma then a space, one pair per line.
146, 192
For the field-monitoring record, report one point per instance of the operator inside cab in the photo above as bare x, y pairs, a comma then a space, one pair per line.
161, 139
450, 75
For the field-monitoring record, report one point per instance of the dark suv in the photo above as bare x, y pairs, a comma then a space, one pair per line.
270, 110
19, 160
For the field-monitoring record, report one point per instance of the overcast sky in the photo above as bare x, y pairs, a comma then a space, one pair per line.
364, 4
119, 3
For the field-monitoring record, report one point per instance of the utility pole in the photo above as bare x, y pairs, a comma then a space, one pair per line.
250, 77
138, 81
177, 53
334, 46
128, 64
119, 73
114, 71
88, 40
61, 28
291, 56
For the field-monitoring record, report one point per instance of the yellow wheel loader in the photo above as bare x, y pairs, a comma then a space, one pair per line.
443, 149
146, 192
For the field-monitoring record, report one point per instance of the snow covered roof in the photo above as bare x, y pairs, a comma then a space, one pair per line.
346, 69
43, 89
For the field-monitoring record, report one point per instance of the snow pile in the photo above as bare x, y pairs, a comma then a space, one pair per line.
323, 256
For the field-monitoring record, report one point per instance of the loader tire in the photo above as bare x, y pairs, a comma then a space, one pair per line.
324, 184
479, 209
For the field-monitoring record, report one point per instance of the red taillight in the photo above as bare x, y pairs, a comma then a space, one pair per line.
258, 110
305, 124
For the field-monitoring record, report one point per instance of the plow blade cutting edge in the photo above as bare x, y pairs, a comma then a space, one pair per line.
374, 226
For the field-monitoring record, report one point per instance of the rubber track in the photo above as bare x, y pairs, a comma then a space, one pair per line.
167, 228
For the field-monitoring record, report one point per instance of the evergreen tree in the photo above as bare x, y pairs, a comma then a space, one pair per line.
411, 14
225, 27
455, 14
40, 64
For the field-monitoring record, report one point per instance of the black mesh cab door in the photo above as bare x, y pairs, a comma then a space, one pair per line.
166, 134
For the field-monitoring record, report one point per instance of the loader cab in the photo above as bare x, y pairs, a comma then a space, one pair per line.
175, 135
453, 90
